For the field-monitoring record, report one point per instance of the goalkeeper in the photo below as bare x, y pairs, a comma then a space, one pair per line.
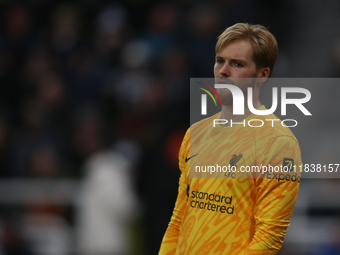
233, 214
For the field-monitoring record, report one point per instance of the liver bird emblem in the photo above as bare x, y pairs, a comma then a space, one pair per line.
235, 159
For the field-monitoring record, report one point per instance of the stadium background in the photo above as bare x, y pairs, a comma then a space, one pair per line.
94, 97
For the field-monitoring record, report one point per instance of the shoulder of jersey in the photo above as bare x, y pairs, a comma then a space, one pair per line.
278, 130
205, 121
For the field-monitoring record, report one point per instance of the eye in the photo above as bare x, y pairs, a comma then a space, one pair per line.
238, 64
219, 60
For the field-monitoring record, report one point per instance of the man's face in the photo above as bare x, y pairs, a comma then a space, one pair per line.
235, 61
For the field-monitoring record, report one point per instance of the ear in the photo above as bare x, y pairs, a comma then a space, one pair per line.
263, 75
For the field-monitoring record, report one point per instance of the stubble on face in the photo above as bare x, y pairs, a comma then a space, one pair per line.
242, 83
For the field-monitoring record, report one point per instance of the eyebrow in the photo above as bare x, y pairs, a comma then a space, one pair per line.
233, 59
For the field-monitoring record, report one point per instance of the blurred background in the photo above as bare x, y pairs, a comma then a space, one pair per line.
94, 103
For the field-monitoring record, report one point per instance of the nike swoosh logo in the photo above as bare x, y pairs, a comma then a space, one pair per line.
187, 159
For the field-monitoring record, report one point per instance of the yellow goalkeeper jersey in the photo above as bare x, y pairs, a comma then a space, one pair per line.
237, 188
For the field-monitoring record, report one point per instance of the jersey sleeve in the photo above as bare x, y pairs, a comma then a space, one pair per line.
170, 239
276, 195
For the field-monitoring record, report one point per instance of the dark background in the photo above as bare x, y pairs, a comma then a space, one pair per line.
78, 78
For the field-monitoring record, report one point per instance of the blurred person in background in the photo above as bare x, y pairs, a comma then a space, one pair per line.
108, 204
204, 21
45, 228
4, 143
161, 33
44, 222
11, 238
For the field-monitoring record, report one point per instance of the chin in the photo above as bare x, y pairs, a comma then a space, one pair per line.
226, 96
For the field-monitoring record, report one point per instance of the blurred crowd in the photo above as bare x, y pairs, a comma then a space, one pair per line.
98, 92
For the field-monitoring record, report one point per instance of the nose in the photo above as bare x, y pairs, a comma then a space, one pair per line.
225, 70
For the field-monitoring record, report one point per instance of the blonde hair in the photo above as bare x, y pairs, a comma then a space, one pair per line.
263, 43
